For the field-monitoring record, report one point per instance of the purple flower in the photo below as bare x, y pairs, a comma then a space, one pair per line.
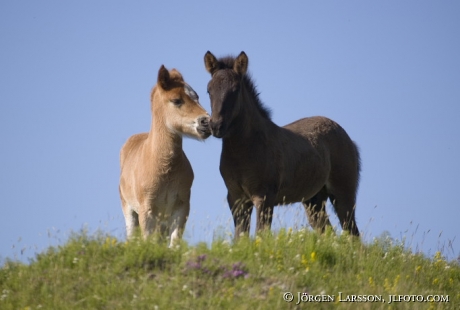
201, 258
193, 265
238, 269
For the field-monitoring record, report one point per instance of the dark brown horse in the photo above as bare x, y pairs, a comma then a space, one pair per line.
263, 165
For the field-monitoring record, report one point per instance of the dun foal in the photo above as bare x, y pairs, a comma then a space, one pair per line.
263, 165
156, 176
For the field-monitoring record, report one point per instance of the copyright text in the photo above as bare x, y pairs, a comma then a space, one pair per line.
302, 297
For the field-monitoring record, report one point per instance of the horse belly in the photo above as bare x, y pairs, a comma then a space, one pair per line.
303, 184
297, 193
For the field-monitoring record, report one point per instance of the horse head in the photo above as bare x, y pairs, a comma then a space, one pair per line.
224, 90
177, 103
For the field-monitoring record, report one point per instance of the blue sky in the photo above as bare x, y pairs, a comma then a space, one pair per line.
75, 81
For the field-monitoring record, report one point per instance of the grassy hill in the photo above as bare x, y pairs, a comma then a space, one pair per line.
321, 271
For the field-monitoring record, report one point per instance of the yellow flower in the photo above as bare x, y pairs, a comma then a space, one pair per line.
371, 282
313, 256
438, 256
387, 285
396, 281
229, 293
304, 260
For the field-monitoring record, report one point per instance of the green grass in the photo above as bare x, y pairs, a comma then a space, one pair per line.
100, 272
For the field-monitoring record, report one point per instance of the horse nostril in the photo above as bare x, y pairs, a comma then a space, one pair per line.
204, 121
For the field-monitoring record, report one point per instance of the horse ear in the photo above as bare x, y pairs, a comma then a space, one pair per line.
210, 62
163, 78
241, 64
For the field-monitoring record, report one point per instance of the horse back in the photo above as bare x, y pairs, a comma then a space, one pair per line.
331, 141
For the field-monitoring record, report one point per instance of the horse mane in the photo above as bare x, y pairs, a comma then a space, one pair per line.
227, 63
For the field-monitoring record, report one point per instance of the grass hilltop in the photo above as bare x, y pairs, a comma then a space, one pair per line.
282, 270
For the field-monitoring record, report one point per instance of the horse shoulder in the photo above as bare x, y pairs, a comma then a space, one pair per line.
184, 169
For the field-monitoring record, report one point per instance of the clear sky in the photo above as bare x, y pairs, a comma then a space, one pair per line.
75, 81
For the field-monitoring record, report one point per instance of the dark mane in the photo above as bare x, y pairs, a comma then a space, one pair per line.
227, 63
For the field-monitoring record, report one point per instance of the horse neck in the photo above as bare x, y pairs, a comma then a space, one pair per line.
252, 124
162, 144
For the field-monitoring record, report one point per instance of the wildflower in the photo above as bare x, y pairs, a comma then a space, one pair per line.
313, 256
201, 258
371, 282
258, 241
438, 256
418, 268
109, 242
279, 260
396, 281
304, 262
387, 285
4, 294
229, 293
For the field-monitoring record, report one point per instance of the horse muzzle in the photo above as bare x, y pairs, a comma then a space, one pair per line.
203, 127
218, 129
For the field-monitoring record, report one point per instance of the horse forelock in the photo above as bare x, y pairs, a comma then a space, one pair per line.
226, 62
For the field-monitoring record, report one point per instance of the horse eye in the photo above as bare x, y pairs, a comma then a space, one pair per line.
177, 102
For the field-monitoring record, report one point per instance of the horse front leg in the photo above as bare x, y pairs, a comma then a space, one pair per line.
241, 209
264, 206
177, 224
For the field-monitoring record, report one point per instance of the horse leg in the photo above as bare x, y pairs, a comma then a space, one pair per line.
241, 211
264, 209
344, 204
131, 219
147, 221
177, 225
315, 208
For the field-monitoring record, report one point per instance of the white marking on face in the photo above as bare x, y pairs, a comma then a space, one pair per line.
191, 93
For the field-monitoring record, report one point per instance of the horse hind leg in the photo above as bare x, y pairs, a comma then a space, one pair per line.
315, 208
131, 220
264, 209
344, 205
